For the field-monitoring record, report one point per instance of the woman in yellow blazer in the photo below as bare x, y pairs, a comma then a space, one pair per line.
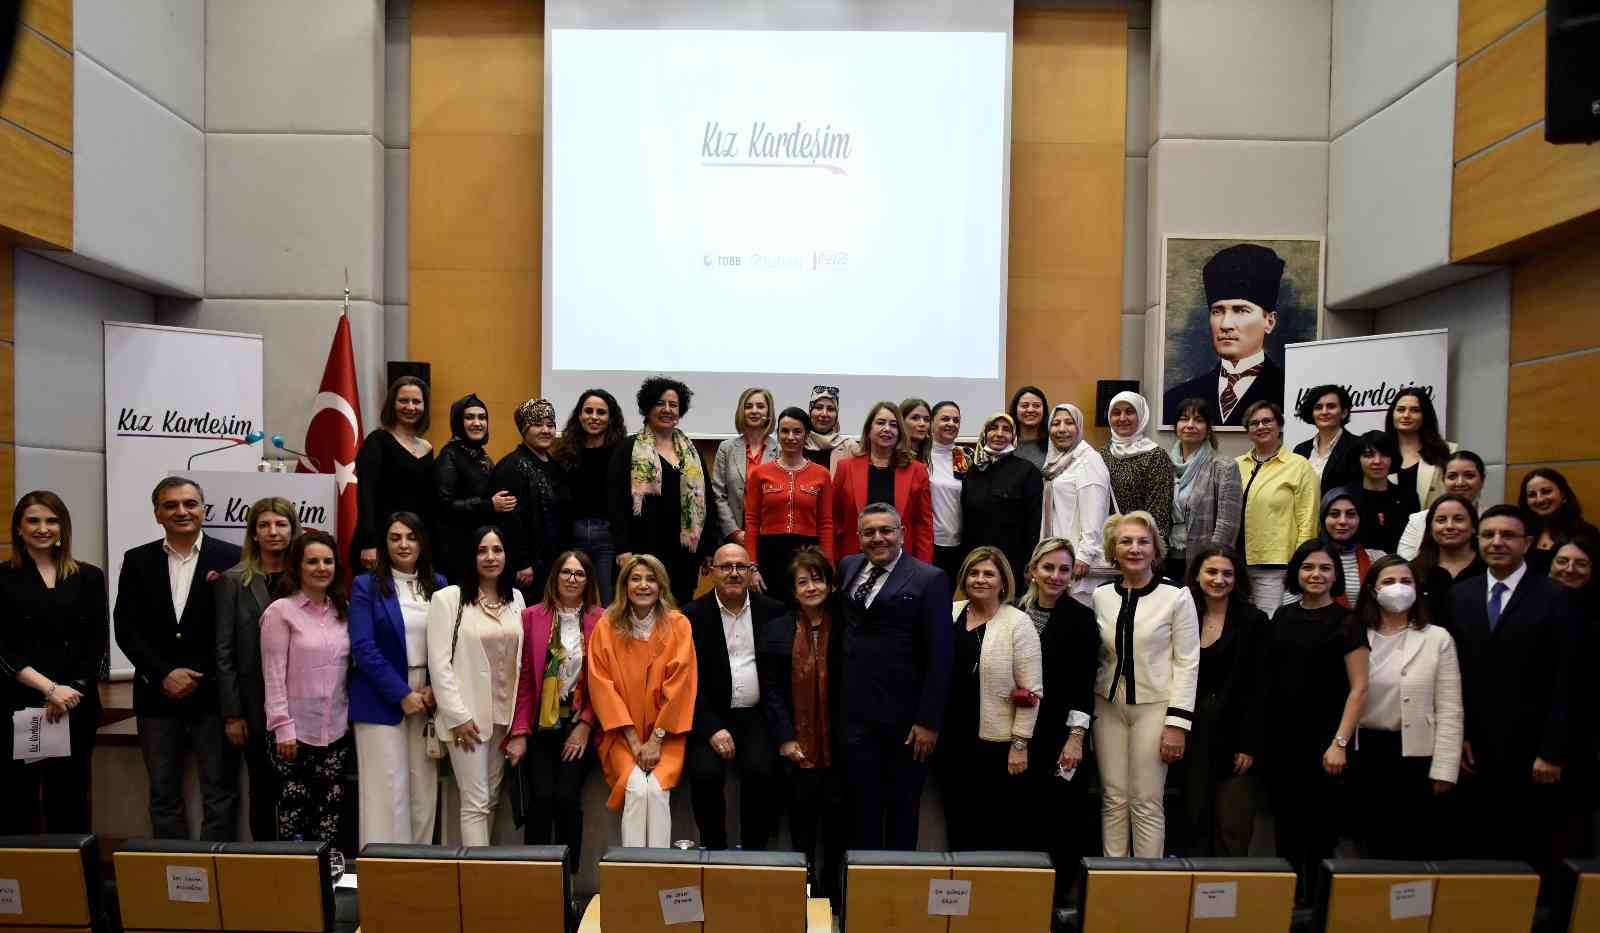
1281, 492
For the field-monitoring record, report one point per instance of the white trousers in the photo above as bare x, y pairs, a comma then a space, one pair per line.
646, 812
399, 785
477, 775
1127, 742
1266, 588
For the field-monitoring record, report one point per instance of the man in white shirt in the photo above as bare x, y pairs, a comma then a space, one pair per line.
1463, 476
1241, 285
730, 731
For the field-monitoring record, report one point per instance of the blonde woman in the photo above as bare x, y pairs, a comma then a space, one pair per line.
1145, 689
642, 686
738, 456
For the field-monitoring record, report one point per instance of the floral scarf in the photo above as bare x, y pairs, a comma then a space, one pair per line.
645, 480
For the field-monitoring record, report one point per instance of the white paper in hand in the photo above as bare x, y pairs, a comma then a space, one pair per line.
34, 737
188, 885
1217, 899
1410, 899
681, 905
948, 898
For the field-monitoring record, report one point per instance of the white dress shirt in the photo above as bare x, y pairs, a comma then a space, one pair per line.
1511, 586
414, 615
180, 573
946, 489
570, 636
866, 568
1316, 458
1382, 709
738, 631
1243, 385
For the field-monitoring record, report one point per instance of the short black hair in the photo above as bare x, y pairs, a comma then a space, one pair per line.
171, 482
1507, 510
1291, 576
1378, 442
796, 413
651, 390
1308, 402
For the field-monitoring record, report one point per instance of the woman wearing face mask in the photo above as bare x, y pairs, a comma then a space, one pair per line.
1205, 497
1279, 492
536, 484
1027, 410
786, 505
461, 481
1077, 499
948, 463
395, 464
1411, 722
1069, 647
918, 416
1341, 531
824, 438
593, 431
1384, 512
737, 458
1141, 473
1448, 554
1413, 424
1557, 514
1002, 496
1463, 478
887, 472
1314, 656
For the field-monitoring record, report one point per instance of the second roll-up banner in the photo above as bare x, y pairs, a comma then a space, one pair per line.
1372, 369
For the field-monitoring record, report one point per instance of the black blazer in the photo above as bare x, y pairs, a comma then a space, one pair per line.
241, 690
1070, 647
1343, 467
898, 652
713, 692
61, 633
1000, 507
1516, 683
462, 503
155, 641
631, 533
392, 480
775, 666
1267, 387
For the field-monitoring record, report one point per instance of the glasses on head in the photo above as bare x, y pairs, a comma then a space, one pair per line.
888, 532
1262, 423
574, 574
733, 568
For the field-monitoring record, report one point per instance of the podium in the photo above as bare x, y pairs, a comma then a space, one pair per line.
230, 493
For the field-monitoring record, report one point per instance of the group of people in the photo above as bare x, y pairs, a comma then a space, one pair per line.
1265, 634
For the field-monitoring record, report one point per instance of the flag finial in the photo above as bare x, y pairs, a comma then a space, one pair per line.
346, 290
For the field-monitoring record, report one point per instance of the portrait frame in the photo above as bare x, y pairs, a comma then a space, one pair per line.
1185, 352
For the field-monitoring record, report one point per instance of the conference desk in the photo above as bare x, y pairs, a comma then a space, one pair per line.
819, 916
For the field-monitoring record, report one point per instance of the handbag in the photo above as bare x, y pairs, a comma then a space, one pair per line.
431, 744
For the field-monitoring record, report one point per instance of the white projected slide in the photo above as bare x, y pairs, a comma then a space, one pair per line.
799, 202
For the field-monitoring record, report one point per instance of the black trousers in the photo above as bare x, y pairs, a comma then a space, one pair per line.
756, 761
165, 740
1058, 819
1511, 817
885, 787
776, 553
264, 787
52, 796
949, 560
817, 813
555, 799
1395, 800
981, 799
1306, 804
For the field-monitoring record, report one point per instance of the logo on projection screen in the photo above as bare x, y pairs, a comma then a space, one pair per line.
769, 146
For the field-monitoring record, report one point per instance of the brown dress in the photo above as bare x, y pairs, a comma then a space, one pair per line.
643, 684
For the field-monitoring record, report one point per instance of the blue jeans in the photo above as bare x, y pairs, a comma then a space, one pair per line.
593, 537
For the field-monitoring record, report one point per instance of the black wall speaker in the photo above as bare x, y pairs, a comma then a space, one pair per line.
1103, 391
1572, 71
10, 22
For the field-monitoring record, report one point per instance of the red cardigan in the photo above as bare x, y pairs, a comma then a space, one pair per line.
913, 499
778, 502
537, 622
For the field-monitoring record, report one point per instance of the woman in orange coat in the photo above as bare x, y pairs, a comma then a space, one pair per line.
641, 686
887, 472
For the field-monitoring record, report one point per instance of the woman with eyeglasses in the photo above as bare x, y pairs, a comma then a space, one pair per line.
1279, 492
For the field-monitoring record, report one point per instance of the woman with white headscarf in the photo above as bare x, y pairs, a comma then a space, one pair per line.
1205, 498
1077, 499
1001, 496
1141, 473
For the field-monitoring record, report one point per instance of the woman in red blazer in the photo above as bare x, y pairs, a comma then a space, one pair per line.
887, 472
553, 721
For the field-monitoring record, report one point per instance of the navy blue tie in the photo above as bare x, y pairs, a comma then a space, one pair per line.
1497, 594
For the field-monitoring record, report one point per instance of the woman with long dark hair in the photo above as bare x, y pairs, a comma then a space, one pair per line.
390, 699
1414, 425
395, 464
52, 654
592, 433
461, 480
787, 505
918, 416
1027, 410
1448, 553
1557, 514
305, 666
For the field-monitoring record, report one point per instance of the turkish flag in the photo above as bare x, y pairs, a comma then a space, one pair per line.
334, 434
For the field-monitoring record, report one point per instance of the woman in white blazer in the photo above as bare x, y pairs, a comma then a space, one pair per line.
996, 683
1145, 688
1409, 744
474, 660
1077, 499
754, 420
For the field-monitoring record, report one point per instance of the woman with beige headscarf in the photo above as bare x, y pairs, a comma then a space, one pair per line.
1077, 498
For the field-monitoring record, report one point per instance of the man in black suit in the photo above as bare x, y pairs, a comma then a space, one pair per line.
1242, 284
166, 623
1516, 634
898, 644
729, 728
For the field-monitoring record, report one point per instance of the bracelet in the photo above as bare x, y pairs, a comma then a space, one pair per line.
51, 692
1078, 731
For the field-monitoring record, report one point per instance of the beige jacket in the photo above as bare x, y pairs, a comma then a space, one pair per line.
463, 685
1010, 658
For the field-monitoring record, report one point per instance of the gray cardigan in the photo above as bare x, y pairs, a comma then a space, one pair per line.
1214, 508
241, 690
727, 482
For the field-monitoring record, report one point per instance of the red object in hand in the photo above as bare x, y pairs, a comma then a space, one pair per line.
1022, 696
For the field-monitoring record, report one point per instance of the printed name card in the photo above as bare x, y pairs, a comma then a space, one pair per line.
1410, 899
948, 898
10, 896
1217, 900
188, 885
682, 905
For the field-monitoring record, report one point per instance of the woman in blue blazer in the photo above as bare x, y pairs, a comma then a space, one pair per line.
390, 700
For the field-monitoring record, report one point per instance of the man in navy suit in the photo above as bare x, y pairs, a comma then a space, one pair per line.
1516, 634
898, 643
165, 621
1242, 285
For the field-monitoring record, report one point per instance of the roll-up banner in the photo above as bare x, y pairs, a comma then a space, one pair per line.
1373, 370
172, 393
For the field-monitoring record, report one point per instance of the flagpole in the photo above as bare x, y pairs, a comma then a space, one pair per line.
346, 310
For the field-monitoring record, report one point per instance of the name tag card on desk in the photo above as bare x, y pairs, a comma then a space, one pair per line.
1216, 900
1410, 899
949, 898
10, 896
682, 905
189, 885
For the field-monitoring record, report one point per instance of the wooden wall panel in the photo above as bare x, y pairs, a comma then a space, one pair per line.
1069, 76
1556, 301
1518, 190
1500, 91
1550, 410
482, 195
1480, 22
483, 66
52, 18
38, 91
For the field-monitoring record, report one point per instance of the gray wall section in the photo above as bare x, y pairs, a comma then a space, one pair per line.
396, 176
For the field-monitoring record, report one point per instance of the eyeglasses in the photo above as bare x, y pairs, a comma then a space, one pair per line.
733, 568
888, 532
574, 574
1263, 423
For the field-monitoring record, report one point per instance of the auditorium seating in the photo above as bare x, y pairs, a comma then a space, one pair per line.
1236, 895
1464, 896
51, 881
1576, 906
891, 891
452, 889
244, 887
739, 891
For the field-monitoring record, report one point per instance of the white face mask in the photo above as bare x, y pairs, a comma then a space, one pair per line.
1397, 597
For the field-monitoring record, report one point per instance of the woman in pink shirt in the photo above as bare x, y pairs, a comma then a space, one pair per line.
305, 661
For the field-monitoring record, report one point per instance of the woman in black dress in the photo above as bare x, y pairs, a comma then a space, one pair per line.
53, 646
657, 487
591, 435
461, 485
395, 464
1314, 660
1449, 552
1385, 509
1002, 496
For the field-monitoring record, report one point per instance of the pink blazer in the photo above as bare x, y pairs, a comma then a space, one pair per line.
537, 622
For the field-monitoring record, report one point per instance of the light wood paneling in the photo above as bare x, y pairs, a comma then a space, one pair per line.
1554, 299
1500, 91
38, 91
52, 18
477, 66
35, 189
1066, 210
1551, 411
8, 281
1583, 477
1480, 22
1519, 189
1069, 76
1060, 338
482, 197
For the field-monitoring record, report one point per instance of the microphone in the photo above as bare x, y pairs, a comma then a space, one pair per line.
307, 459
251, 438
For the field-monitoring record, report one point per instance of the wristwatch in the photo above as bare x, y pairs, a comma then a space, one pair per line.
1020, 745
659, 733
1341, 741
